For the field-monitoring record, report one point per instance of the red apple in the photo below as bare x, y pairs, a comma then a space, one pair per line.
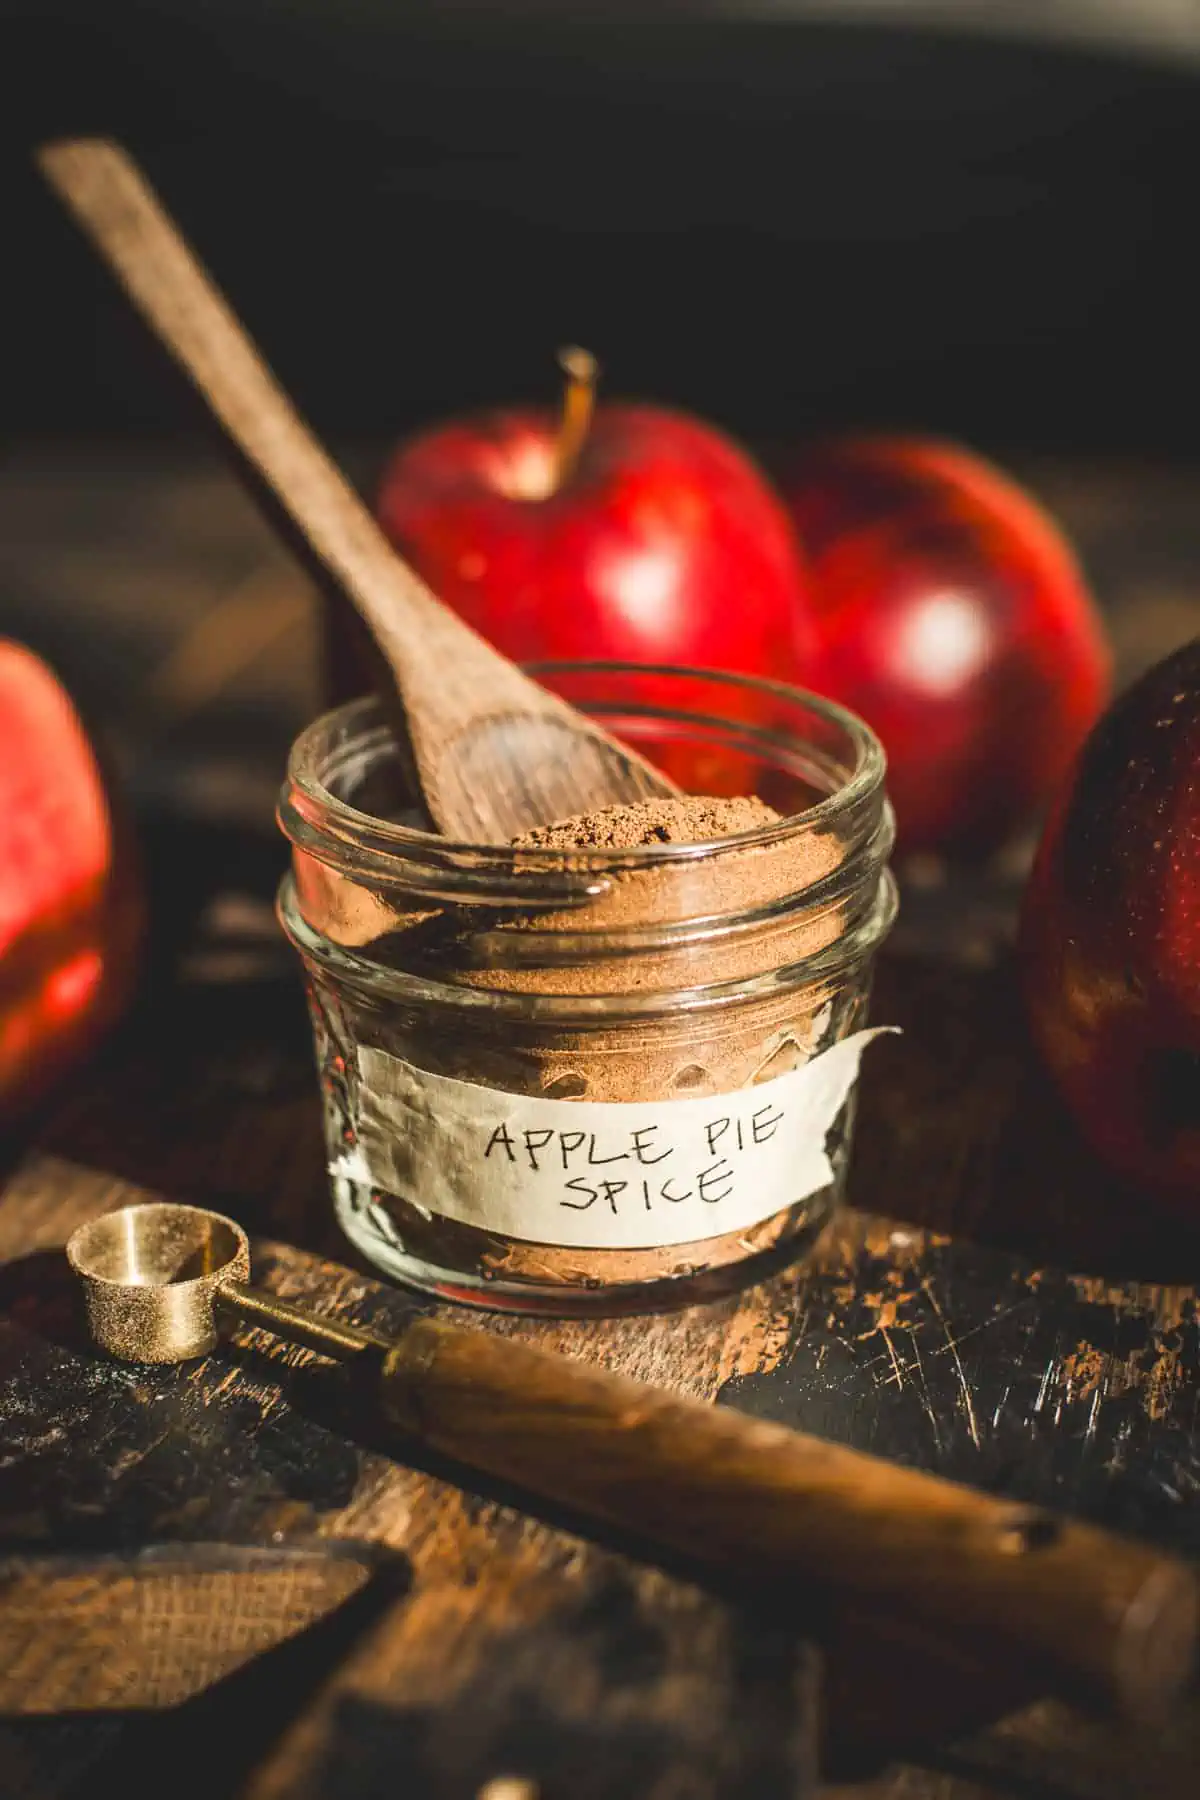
70, 909
633, 533
1110, 935
955, 619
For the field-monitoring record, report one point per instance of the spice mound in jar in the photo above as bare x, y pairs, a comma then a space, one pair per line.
652, 1057
692, 819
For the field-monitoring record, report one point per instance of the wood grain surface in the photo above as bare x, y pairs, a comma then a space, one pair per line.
153, 1627
994, 1309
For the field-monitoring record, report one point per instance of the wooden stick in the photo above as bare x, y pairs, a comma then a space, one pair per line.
495, 752
1106, 1620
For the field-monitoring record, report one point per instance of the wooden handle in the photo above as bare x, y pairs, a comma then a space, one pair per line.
1103, 1619
480, 777
146, 251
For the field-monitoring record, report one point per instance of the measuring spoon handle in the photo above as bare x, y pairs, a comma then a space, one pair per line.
1107, 1620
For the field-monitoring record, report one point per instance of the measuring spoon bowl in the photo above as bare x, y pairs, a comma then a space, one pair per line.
150, 1276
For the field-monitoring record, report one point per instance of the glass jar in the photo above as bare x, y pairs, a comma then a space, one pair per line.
593, 1081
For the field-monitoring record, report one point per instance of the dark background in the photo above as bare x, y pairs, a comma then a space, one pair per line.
783, 224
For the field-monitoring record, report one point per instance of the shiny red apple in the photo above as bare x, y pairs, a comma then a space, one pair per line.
1110, 935
954, 618
632, 533
70, 907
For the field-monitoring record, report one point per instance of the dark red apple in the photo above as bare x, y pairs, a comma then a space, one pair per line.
954, 618
1110, 935
633, 533
70, 907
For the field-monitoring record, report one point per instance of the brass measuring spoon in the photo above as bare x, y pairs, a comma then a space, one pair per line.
1099, 1618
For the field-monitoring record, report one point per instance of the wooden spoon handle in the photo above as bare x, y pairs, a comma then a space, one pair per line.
162, 276
1100, 1618
492, 751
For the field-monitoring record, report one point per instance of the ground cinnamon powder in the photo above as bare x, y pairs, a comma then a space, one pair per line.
690, 819
714, 899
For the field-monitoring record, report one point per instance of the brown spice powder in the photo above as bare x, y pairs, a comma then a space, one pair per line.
693, 819
661, 1058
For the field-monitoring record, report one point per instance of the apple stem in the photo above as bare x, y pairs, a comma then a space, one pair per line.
579, 403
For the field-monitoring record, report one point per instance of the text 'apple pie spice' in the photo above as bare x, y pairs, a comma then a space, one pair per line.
617, 1077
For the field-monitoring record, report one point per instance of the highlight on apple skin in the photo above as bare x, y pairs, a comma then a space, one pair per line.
70, 895
953, 616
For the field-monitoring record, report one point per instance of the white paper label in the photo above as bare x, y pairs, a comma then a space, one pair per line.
601, 1174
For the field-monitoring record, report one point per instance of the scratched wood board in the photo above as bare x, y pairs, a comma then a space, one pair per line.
108, 1458
521, 1646
945, 1354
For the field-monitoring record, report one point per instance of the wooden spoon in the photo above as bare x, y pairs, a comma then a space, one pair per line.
494, 753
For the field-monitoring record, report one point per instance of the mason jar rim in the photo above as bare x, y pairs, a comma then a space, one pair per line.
307, 804
343, 963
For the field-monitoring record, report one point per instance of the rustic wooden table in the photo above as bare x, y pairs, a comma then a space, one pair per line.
993, 1310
